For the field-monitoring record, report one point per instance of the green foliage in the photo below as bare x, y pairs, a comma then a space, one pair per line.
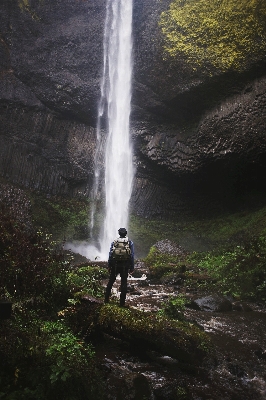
239, 271
233, 227
162, 263
42, 358
145, 232
61, 217
69, 357
181, 393
28, 262
178, 338
86, 281
174, 307
218, 34
198, 235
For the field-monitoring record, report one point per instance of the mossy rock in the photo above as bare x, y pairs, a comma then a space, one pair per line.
218, 35
181, 340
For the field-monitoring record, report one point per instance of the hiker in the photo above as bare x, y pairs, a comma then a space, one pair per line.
120, 261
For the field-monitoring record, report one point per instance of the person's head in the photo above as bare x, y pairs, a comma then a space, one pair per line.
122, 232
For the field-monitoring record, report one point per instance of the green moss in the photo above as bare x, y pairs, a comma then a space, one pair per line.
25, 6
161, 263
236, 263
61, 216
146, 232
174, 307
181, 340
238, 270
182, 393
218, 34
198, 234
225, 227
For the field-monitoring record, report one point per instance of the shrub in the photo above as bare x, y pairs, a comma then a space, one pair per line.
29, 265
162, 263
174, 307
86, 281
69, 356
44, 360
240, 270
40, 356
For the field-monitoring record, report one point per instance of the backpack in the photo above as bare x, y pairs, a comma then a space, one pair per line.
121, 250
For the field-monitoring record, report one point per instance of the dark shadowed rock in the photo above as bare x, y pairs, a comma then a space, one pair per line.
89, 300
212, 303
241, 306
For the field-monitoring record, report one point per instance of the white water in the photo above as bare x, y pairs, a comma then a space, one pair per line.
114, 108
118, 154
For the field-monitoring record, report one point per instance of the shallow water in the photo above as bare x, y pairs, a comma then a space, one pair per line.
237, 373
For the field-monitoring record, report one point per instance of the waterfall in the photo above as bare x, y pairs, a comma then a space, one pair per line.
114, 112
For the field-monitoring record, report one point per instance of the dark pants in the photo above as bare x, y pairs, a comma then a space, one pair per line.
122, 269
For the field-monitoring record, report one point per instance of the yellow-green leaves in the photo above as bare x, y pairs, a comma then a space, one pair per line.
25, 6
215, 34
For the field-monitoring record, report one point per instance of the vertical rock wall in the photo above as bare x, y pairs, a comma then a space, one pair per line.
195, 137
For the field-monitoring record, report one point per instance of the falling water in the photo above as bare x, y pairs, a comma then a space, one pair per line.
114, 108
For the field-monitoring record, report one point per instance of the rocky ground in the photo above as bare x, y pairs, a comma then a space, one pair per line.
236, 330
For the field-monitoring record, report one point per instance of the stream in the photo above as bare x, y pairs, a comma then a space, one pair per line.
237, 373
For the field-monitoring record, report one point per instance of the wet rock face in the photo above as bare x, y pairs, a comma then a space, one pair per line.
49, 85
195, 137
17, 203
40, 151
55, 49
203, 137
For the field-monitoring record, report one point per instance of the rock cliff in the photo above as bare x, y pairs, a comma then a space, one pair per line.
199, 140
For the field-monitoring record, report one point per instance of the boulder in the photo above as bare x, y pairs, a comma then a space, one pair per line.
213, 303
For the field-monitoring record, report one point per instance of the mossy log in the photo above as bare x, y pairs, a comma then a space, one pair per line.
181, 340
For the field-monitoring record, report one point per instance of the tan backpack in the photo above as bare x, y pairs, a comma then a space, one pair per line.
121, 250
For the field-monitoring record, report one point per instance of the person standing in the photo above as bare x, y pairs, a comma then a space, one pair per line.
120, 261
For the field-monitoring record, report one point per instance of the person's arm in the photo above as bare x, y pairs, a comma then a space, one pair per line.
110, 257
131, 245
